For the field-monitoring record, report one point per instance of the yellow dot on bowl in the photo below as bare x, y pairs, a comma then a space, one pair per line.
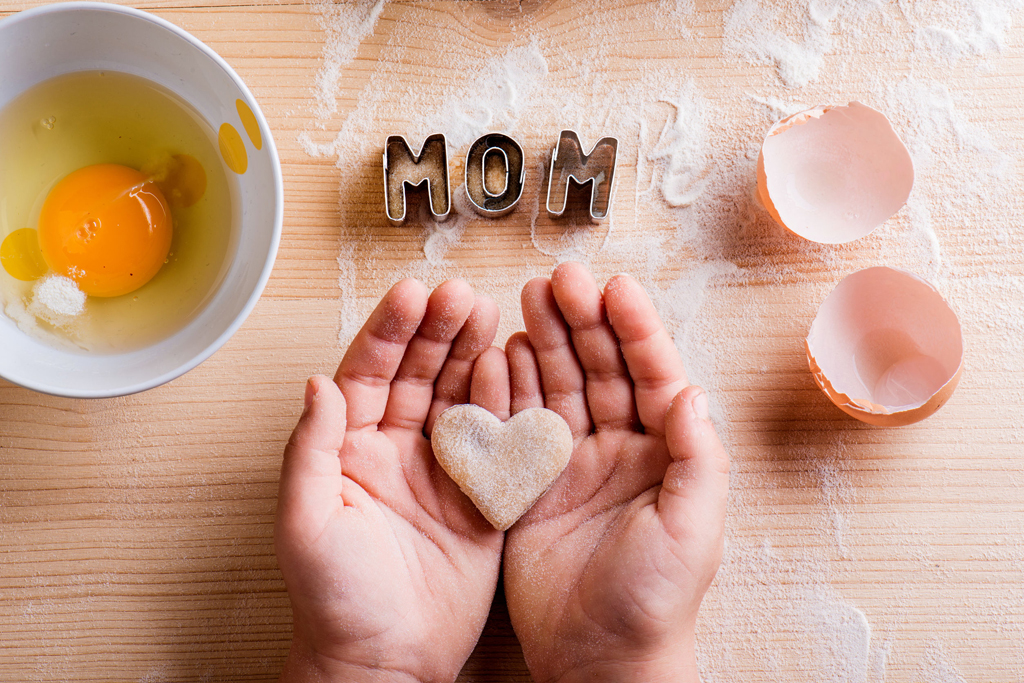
250, 124
21, 256
232, 149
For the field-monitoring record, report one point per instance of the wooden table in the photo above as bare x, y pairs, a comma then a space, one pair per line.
136, 533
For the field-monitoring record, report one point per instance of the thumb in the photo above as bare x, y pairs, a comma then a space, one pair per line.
696, 488
311, 470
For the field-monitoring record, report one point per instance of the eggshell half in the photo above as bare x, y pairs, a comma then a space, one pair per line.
833, 174
886, 347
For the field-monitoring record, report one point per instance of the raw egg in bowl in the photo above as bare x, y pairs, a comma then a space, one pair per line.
140, 200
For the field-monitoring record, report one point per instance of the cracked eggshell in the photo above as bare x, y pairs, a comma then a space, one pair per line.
833, 174
885, 347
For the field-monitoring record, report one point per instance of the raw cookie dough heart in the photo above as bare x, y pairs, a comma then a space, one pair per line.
503, 467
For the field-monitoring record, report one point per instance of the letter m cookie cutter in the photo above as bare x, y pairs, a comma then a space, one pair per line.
404, 171
596, 170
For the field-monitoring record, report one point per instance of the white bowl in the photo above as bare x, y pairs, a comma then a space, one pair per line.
42, 43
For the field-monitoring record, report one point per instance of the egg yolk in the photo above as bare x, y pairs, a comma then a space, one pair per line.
107, 227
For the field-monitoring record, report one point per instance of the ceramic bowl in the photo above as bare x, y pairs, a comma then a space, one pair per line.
43, 43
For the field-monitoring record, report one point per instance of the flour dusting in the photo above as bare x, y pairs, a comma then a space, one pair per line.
346, 25
681, 148
962, 28
937, 668
753, 31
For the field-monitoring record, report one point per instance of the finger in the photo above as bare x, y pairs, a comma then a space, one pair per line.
412, 389
561, 376
489, 387
694, 493
374, 355
311, 482
650, 354
524, 375
476, 336
608, 386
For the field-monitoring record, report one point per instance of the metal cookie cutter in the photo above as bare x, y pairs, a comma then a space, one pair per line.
495, 173
596, 170
404, 171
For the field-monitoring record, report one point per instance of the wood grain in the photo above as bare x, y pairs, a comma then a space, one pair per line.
136, 533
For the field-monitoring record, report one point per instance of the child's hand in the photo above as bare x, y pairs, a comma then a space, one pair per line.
604, 575
389, 567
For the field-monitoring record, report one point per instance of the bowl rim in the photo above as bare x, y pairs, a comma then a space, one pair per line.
278, 188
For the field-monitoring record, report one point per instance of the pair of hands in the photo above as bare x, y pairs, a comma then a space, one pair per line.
391, 569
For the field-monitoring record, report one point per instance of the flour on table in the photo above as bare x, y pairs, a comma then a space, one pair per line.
961, 28
942, 143
681, 148
751, 32
761, 595
937, 668
797, 37
346, 25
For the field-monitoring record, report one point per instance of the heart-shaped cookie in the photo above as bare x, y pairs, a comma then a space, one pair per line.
503, 467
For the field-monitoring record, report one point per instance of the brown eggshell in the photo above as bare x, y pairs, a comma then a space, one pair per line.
885, 347
833, 174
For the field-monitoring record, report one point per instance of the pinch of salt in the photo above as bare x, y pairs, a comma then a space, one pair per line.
60, 295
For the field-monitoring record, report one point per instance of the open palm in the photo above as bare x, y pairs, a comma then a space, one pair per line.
604, 575
389, 567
